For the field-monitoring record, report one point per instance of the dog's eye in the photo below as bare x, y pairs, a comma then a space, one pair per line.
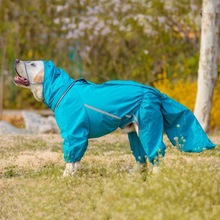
33, 64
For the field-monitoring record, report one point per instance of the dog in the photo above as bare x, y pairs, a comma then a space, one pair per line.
85, 110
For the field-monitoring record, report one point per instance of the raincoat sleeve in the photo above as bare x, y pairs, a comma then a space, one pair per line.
74, 146
74, 127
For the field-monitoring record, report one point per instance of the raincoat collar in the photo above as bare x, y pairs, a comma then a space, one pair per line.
56, 83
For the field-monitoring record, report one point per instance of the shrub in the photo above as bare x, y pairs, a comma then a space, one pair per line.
184, 91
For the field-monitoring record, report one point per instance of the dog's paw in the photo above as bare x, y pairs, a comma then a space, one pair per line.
71, 169
156, 170
138, 168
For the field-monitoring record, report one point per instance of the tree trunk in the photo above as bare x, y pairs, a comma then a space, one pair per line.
207, 73
3, 45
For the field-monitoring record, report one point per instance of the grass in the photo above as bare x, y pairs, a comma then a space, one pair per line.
32, 187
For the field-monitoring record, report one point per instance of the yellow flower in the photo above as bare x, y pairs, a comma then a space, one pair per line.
185, 93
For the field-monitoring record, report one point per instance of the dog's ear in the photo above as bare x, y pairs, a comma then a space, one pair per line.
39, 77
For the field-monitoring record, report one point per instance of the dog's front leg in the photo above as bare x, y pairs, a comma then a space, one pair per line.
71, 169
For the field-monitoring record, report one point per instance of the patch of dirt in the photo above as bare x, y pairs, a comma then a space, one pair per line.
32, 160
38, 159
16, 120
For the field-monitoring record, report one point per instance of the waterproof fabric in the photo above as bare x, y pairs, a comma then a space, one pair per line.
86, 110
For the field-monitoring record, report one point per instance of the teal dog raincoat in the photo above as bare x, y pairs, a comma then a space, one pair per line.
86, 110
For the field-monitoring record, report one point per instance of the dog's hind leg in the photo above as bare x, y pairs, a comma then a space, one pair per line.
132, 127
151, 128
137, 148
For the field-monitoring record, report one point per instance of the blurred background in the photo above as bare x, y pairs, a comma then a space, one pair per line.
153, 42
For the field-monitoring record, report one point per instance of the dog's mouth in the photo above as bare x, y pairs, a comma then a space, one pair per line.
20, 80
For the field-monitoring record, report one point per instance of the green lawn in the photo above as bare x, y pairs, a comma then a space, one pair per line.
32, 187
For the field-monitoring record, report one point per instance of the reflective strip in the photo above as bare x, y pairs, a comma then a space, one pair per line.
102, 112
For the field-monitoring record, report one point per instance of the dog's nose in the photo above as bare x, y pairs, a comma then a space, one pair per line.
17, 61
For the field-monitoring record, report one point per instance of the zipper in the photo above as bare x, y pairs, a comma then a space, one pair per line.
102, 112
61, 98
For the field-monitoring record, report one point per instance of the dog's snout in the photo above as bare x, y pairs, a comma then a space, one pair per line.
17, 61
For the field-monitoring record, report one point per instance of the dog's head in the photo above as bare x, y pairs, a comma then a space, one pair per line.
30, 74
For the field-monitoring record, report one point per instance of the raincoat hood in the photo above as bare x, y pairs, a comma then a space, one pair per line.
56, 82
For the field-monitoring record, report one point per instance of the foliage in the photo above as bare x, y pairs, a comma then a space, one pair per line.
186, 188
127, 39
184, 91
101, 39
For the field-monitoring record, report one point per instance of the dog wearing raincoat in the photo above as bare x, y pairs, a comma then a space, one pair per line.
85, 110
